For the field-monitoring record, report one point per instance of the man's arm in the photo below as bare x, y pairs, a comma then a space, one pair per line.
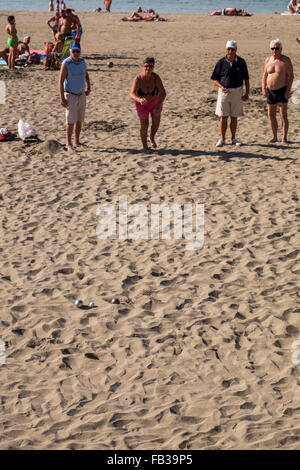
88, 83
62, 76
264, 80
216, 82
247, 85
216, 75
290, 78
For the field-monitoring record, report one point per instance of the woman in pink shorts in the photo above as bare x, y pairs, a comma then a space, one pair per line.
148, 93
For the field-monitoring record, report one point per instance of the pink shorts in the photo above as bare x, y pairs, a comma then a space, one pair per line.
143, 110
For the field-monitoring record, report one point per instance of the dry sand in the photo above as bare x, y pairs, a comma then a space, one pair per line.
201, 355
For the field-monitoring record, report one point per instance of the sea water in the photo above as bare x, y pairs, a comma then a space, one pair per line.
160, 6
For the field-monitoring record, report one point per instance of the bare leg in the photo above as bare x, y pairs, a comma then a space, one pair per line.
78, 126
223, 126
11, 57
285, 122
69, 133
154, 128
144, 132
233, 126
273, 121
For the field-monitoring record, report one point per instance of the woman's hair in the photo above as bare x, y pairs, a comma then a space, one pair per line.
149, 60
10, 19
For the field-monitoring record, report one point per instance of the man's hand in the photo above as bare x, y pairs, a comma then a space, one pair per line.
224, 90
88, 91
287, 95
245, 97
63, 102
265, 93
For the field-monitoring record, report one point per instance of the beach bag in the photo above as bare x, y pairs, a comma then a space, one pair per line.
56, 64
5, 134
25, 130
34, 58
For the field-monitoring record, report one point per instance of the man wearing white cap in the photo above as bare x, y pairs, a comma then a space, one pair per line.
229, 75
276, 86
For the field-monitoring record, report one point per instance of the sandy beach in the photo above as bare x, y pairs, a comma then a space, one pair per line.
198, 354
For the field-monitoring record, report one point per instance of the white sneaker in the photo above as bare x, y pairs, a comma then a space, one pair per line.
235, 142
220, 143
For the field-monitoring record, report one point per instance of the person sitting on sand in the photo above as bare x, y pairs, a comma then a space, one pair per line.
97, 10
149, 94
55, 51
229, 12
23, 46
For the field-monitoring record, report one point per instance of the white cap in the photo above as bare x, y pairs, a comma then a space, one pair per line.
232, 44
25, 38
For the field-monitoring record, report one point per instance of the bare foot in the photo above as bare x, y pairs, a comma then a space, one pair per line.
273, 140
70, 148
80, 145
153, 142
284, 141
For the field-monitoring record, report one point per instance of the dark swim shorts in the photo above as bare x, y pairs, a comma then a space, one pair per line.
276, 96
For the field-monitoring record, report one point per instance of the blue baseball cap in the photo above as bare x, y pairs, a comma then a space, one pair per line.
74, 45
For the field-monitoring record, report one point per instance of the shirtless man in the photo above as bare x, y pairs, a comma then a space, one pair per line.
22, 48
75, 24
276, 86
65, 24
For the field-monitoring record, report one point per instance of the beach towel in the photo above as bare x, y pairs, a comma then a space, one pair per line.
66, 50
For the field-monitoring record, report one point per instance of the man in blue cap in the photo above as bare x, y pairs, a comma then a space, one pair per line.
74, 86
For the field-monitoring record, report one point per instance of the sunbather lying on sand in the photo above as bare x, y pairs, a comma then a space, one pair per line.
229, 12
135, 16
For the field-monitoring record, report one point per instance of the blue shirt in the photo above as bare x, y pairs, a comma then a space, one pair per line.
231, 75
75, 81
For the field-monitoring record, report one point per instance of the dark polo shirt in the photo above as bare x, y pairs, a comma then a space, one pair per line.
230, 75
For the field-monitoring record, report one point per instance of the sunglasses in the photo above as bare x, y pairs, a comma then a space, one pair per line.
275, 48
231, 48
148, 66
75, 51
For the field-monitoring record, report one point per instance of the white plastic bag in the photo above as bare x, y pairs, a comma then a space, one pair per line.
25, 130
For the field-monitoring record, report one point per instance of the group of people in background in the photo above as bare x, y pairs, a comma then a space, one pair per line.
230, 75
14, 47
107, 4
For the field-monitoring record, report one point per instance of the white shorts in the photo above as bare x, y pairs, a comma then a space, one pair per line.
75, 108
231, 103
